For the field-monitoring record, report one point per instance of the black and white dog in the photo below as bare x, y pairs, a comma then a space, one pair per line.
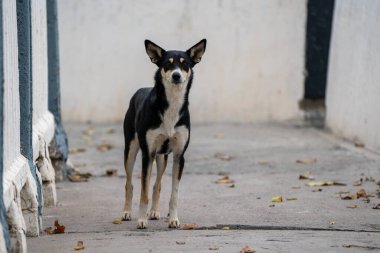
158, 123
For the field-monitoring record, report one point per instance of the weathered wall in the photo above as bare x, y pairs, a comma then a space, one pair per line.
252, 69
353, 94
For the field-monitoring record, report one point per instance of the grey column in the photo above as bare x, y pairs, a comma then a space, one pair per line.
25, 88
58, 148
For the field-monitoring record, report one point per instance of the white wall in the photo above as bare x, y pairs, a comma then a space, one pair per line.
252, 69
353, 92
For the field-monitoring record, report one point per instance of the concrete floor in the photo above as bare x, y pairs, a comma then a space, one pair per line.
263, 165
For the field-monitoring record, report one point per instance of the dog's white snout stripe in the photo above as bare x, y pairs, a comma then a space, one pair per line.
177, 71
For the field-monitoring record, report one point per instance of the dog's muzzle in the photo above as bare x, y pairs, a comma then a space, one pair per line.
177, 77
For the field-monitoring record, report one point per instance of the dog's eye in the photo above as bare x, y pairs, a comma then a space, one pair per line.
185, 65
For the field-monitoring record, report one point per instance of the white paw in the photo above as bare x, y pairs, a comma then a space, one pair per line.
154, 215
174, 223
126, 216
141, 223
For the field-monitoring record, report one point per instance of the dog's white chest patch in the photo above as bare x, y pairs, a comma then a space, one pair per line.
175, 95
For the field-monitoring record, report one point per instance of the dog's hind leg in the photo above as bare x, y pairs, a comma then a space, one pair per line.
130, 153
161, 161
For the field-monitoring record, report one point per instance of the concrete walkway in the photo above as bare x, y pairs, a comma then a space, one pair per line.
260, 158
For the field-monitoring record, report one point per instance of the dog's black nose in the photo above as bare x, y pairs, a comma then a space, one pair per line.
176, 76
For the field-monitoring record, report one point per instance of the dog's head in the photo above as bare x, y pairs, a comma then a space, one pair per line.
175, 66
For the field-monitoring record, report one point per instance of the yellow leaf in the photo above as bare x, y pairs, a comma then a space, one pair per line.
77, 150
225, 228
117, 221
263, 162
309, 161
323, 183
79, 246
277, 199
225, 180
353, 206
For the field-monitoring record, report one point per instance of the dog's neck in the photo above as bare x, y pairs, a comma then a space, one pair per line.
172, 101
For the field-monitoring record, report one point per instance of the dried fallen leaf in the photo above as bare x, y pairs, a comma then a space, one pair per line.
213, 248
359, 246
358, 182
89, 131
104, 147
117, 221
263, 162
307, 161
247, 249
189, 226
110, 131
77, 150
291, 198
180, 242
369, 179
353, 206
317, 190
376, 207
225, 228
223, 157
324, 183
79, 246
225, 180
56, 229
219, 136
77, 165
306, 175
361, 194
348, 197
111, 172
277, 199
79, 177
359, 145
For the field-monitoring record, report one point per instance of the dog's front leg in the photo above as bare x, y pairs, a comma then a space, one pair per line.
147, 160
161, 161
178, 164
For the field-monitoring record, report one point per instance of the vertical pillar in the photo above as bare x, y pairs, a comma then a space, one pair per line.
4, 233
58, 147
25, 89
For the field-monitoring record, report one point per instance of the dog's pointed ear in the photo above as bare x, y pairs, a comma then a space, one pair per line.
154, 52
196, 52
